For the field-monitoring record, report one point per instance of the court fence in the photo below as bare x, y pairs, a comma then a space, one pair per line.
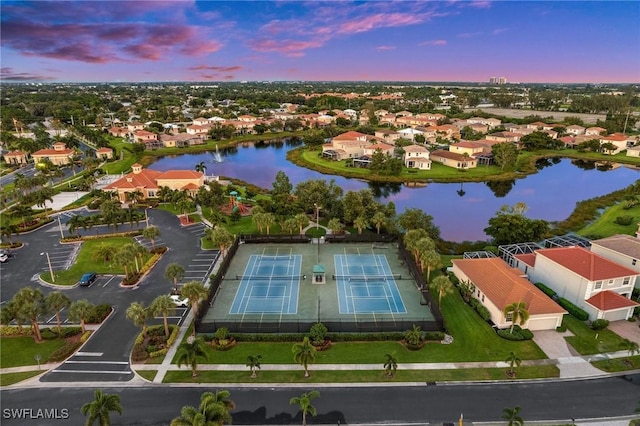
288, 327
360, 238
279, 238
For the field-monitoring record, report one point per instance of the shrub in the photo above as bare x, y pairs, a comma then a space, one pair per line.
546, 290
48, 334
85, 336
561, 329
573, 309
99, 314
173, 336
434, 335
600, 324
318, 333
139, 353
517, 334
64, 352
483, 312
11, 330
624, 220
222, 333
70, 331
413, 336
294, 337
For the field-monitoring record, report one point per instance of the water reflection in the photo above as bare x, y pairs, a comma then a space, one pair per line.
461, 211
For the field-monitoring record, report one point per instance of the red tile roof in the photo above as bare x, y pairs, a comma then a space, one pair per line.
528, 258
609, 300
349, 136
143, 179
180, 174
52, 152
504, 285
585, 263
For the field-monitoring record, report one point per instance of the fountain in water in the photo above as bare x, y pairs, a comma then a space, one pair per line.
217, 157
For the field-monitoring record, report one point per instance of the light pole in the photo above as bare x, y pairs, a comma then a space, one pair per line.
60, 227
53, 278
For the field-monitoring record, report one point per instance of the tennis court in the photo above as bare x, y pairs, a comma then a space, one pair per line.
269, 284
366, 285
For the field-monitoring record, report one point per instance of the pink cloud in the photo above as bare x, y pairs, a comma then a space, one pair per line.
470, 35
292, 48
480, 4
439, 42
215, 68
379, 20
499, 31
8, 74
385, 48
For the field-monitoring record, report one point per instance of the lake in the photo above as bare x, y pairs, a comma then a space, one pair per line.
461, 211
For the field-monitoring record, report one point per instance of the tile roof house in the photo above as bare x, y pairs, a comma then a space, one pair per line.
496, 285
618, 139
453, 159
104, 153
347, 145
150, 181
590, 281
60, 155
622, 249
416, 157
15, 157
594, 131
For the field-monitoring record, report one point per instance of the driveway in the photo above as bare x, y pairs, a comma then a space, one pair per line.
554, 345
626, 330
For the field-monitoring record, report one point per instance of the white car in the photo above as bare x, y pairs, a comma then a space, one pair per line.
178, 301
3, 257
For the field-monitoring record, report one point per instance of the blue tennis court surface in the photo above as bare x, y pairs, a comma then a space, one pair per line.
269, 285
366, 285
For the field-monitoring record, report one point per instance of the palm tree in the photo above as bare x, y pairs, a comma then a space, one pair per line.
221, 238
163, 305
110, 210
290, 225
379, 219
100, 407
411, 239
253, 362
258, 219
268, 220
124, 256
513, 360
135, 196
196, 292
165, 193
201, 167
443, 286
360, 223
104, 251
151, 233
334, 225
137, 313
390, 364
80, 310
57, 301
304, 354
519, 313
301, 220
31, 305
512, 416
304, 402
189, 352
631, 346
431, 260
174, 272
213, 410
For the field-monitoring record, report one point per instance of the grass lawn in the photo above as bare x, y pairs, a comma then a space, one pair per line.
13, 378
86, 263
585, 341
605, 225
359, 376
618, 364
19, 351
147, 374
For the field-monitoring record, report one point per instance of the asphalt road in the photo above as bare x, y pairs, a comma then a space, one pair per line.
105, 357
435, 404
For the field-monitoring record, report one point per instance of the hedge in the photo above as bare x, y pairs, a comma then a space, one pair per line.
581, 314
518, 334
99, 314
64, 352
11, 330
546, 290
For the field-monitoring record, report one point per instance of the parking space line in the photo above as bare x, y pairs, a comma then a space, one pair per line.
107, 283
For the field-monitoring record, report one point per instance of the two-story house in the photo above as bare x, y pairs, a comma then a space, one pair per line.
590, 281
622, 249
416, 157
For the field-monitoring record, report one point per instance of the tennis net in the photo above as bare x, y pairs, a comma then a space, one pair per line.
367, 278
269, 277
274, 257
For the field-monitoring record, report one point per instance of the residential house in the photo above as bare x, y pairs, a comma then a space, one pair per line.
389, 136
119, 132
416, 157
496, 285
16, 157
617, 139
537, 125
488, 122
143, 136
471, 148
347, 145
633, 151
60, 155
180, 140
410, 133
504, 137
589, 280
594, 131
104, 153
148, 182
197, 130
622, 249
575, 129
200, 121
134, 125
385, 148
452, 159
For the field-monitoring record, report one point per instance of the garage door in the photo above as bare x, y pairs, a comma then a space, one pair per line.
616, 315
542, 323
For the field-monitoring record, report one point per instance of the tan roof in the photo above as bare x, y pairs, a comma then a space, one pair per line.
415, 148
504, 285
622, 243
609, 300
450, 155
585, 263
104, 149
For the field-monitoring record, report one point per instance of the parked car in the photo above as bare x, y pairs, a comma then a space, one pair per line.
4, 257
88, 279
179, 301
8, 252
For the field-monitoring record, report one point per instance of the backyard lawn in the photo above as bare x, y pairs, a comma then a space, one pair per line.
605, 225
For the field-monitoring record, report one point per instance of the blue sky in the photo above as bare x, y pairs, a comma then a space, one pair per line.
541, 41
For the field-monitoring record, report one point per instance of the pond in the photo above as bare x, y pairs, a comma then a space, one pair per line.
461, 211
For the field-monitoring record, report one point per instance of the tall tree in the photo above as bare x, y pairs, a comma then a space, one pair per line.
189, 352
379, 220
304, 354
510, 226
221, 238
414, 218
196, 292
57, 301
443, 286
163, 305
139, 314
430, 259
304, 402
100, 408
360, 223
201, 167
505, 155
32, 305
151, 233
518, 312
512, 416
174, 272
514, 361
81, 310
253, 362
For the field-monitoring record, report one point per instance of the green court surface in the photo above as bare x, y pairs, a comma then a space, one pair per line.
274, 288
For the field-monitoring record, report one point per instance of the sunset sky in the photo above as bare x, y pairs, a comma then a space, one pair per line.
135, 41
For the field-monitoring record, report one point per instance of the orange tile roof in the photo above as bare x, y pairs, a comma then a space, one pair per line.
190, 186
16, 153
504, 285
52, 152
144, 179
451, 155
585, 263
528, 258
609, 300
180, 174
104, 149
349, 136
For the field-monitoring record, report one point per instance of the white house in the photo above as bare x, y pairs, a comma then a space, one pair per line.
622, 249
416, 157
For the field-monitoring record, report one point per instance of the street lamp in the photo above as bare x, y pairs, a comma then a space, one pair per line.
53, 279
